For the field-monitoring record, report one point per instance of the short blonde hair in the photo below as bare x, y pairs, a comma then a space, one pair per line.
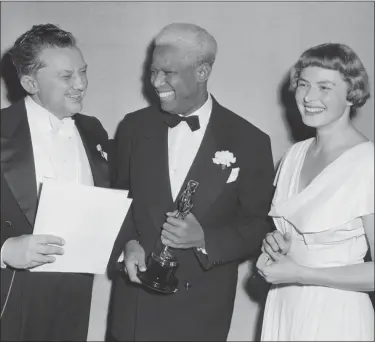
191, 37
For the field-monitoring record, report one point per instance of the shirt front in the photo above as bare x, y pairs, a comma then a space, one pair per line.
183, 146
58, 149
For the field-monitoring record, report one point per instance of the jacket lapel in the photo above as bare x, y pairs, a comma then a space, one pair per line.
153, 169
17, 159
211, 177
99, 166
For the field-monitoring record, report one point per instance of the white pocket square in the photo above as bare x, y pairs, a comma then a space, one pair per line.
233, 175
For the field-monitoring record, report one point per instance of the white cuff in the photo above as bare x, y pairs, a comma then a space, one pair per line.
202, 250
1, 261
121, 257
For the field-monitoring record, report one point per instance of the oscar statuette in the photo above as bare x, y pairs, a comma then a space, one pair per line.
161, 269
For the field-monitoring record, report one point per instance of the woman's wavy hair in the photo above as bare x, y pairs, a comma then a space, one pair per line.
338, 57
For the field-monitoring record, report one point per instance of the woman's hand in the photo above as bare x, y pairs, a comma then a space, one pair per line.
276, 245
282, 271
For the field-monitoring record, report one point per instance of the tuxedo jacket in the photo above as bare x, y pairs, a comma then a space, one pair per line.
39, 304
233, 216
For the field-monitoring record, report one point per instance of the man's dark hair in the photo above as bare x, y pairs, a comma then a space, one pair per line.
27, 48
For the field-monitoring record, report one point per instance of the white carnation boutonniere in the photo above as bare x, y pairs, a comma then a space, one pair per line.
224, 158
99, 148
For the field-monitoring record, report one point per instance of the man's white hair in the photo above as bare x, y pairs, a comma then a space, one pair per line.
195, 39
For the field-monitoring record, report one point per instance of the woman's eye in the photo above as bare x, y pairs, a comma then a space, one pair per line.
324, 88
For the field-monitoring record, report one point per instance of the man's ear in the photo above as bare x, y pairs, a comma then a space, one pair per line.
29, 84
203, 72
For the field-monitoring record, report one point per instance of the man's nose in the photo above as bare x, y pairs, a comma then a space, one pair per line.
158, 79
80, 82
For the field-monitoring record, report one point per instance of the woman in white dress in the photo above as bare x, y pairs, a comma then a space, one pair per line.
323, 209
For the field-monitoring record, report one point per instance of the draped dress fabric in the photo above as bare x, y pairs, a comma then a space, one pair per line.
324, 220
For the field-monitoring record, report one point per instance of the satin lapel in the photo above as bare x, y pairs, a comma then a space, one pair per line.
17, 159
211, 177
153, 167
99, 166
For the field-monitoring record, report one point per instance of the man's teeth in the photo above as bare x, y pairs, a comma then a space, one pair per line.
314, 110
166, 94
75, 97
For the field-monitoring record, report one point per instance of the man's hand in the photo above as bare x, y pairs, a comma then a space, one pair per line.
28, 251
182, 234
276, 245
135, 260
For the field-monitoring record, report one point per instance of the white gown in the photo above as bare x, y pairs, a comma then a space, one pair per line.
324, 222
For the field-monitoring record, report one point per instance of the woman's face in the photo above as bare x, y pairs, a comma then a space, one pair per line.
321, 96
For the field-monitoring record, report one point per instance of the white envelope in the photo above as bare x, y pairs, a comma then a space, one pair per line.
233, 175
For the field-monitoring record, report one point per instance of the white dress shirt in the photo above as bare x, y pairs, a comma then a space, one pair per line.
58, 149
183, 145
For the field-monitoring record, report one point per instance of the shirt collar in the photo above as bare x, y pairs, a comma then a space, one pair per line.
44, 119
203, 113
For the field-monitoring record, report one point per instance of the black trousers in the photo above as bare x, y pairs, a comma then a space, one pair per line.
47, 307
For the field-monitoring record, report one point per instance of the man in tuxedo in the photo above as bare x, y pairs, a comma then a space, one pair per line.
44, 136
192, 137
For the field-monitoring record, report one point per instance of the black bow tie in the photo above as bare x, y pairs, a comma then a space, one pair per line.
172, 120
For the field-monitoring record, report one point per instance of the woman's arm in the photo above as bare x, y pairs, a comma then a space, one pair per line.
358, 277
